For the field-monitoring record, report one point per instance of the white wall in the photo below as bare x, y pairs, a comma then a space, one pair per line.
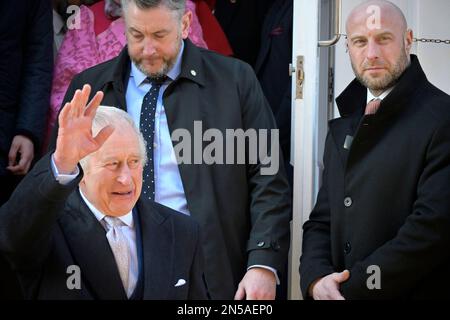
433, 21
427, 19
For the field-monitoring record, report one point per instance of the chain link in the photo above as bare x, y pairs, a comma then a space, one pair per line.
425, 40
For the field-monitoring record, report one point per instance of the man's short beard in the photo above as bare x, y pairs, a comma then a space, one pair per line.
167, 65
389, 80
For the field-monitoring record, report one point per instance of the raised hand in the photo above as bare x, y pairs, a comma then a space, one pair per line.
75, 140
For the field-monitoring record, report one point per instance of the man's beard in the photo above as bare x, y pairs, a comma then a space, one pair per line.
167, 65
387, 81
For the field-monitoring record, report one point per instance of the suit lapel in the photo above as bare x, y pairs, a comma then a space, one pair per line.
91, 251
158, 251
340, 129
351, 103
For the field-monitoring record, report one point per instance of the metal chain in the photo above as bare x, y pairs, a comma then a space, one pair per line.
432, 40
423, 40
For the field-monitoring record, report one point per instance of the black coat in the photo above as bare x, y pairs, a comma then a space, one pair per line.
244, 216
242, 21
386, 201
26, 65
272, 68
46, 227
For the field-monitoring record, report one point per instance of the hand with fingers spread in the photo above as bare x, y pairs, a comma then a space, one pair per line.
75, 140
327, 288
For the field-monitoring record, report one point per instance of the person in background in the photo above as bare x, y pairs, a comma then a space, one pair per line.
242, 22
272, 70
25, 79
101, 37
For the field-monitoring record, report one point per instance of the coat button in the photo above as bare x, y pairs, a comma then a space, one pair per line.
348, 202
194, 73
347, 248
261, 244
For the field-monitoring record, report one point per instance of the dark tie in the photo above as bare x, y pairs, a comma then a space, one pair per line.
147, 126
373, 106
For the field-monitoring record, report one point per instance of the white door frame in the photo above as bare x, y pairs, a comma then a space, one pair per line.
304, 122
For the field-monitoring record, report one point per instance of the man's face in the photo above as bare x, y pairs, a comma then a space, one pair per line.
154, 37
112, 181
379, 53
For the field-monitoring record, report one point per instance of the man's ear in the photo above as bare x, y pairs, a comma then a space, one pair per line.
186, 24
409, 38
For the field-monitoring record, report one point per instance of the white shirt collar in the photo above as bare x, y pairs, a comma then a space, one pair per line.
370, 96
139, 77
127, 218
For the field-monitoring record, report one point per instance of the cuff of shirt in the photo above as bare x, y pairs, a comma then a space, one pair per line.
63, 179
267, 268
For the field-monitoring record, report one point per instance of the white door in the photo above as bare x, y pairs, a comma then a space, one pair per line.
312, 20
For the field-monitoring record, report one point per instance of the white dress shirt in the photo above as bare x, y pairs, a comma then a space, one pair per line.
370, 96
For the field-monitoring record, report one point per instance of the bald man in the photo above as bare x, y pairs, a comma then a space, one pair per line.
381, 226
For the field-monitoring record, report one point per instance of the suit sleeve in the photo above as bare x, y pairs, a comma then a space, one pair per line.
37, 73
28, 218
315, 261
422, 243
269, 191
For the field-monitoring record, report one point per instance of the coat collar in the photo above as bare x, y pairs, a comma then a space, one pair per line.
353, 98
352, 102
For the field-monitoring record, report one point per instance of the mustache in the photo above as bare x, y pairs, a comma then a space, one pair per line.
377, 64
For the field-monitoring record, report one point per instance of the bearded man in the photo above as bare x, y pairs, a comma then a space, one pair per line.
380, 227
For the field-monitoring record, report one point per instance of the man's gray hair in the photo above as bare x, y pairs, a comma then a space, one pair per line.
178, 6
118, 119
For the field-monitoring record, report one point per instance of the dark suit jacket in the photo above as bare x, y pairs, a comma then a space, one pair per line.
244, 216
242, 20
46, 227
272, 68
386, 201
